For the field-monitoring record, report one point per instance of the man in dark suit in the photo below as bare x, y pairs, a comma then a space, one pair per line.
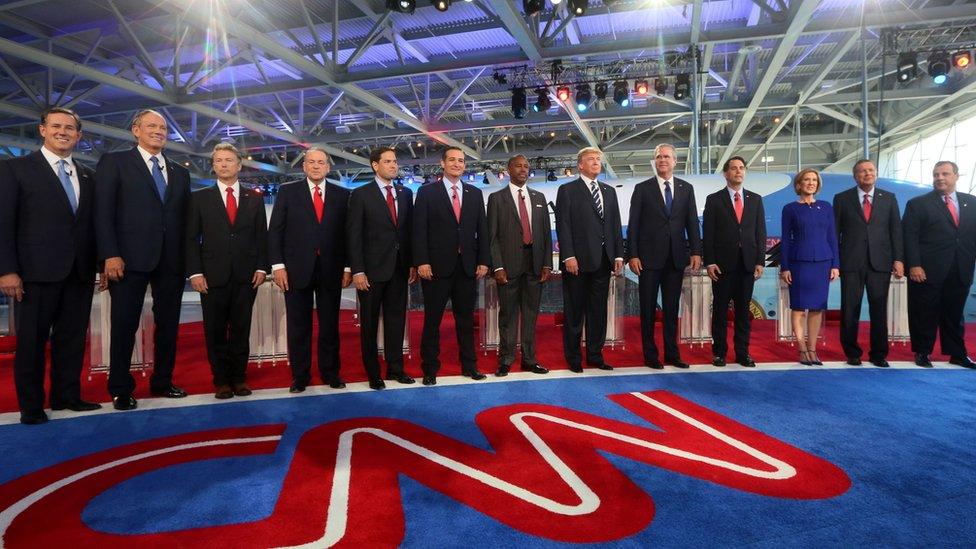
140, 214
734, 245
521, 256
307, 251
869, 235
226, 260
47, 264
940, 252
379, 224
450, 248
590, 248
662, 240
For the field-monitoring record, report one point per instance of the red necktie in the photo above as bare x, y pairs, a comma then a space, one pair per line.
867, 208
391, 204
524, 216
456, 202
952, 210
318, 203
231, 205
738, 207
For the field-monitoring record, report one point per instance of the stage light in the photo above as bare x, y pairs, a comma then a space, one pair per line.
962, 59
682, 86
601, 90
562, 92
551, 175
777, 119
583, 96
499, 78
640, 87
939, 67
402, 6
660, 86
577, 7
542, 101
621, 95
532, 7
441, 5
907, 66
518, 102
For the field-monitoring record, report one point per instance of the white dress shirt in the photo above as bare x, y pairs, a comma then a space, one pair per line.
147, 158
53, 160
860, 197
460, 190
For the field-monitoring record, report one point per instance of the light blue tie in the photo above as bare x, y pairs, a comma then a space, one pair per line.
157, 174
69, 189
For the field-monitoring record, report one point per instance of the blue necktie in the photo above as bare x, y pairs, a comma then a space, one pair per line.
69, 189
667, 197
157, 175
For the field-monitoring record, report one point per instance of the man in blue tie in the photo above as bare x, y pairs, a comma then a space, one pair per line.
47, 264
139, 224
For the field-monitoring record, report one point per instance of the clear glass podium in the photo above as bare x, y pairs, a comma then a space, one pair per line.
269, 336
695, 311
100, 335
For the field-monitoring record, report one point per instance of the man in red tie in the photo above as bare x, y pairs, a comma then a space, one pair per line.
940, 253
450, 249
226, 260
307, 251
521, 260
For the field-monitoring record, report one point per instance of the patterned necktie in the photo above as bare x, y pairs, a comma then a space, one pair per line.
157, 175
318, 203
597, 199
231, 205
391, 204
738, 207
867, 208
456, 202
524, 216
69, 189
952, 210
668, 198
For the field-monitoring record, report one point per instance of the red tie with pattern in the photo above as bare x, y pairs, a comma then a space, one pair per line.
952, 210
524, 216
738, 207
391, 204
318, 203
867, 208
231, 205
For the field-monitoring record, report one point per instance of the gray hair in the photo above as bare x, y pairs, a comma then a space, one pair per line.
674, 151
139, 115
316, 148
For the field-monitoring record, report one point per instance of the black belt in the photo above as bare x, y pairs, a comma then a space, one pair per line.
526, 246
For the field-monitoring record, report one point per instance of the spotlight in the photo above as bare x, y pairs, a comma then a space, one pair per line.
601, 90
500, 78
939, 67
441, 5
562, 92
542, 102
402, 6
777, 119
532, 7
583, 97
640, 87
621, 95
660, 86
551, 175
962, 59
682, 86
907, 66
518, 102
577, 7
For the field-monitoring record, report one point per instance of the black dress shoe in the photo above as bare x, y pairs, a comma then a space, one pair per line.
576, 368
922, 360
241, 389
601, 366
430, 380
880, 363
535, 369
76, 406
377, 384
718, 361
855, 361
654, 364
746, 361
35, 418
401, 378
169, 392
475, 375
677, 363
963, 361
223, 392
124, 402
297, 387
502, 370
337, 383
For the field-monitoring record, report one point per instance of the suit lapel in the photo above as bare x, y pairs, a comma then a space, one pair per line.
940, 203
963, 210
86, 186
140, 167
217, 203
52, 180
446, 200
655, 190
726, 201
585, 189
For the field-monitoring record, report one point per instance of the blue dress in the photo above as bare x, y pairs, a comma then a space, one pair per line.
808, 250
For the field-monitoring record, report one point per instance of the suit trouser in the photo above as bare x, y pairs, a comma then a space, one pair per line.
852, 286
227, 330
59, 311
390, 296
938, 305
522, 295
585, 300
736, 286
668, 280
462, 290
326, 296
128, 296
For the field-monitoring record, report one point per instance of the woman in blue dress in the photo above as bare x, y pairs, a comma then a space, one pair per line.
809, 261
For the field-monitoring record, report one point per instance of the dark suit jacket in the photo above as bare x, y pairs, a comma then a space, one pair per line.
219, 251
874, 244
41, 239
437, 234
726, 241
653, 236
376, 244
295, 234
932, 240
579, 230
505, 230
131, 221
